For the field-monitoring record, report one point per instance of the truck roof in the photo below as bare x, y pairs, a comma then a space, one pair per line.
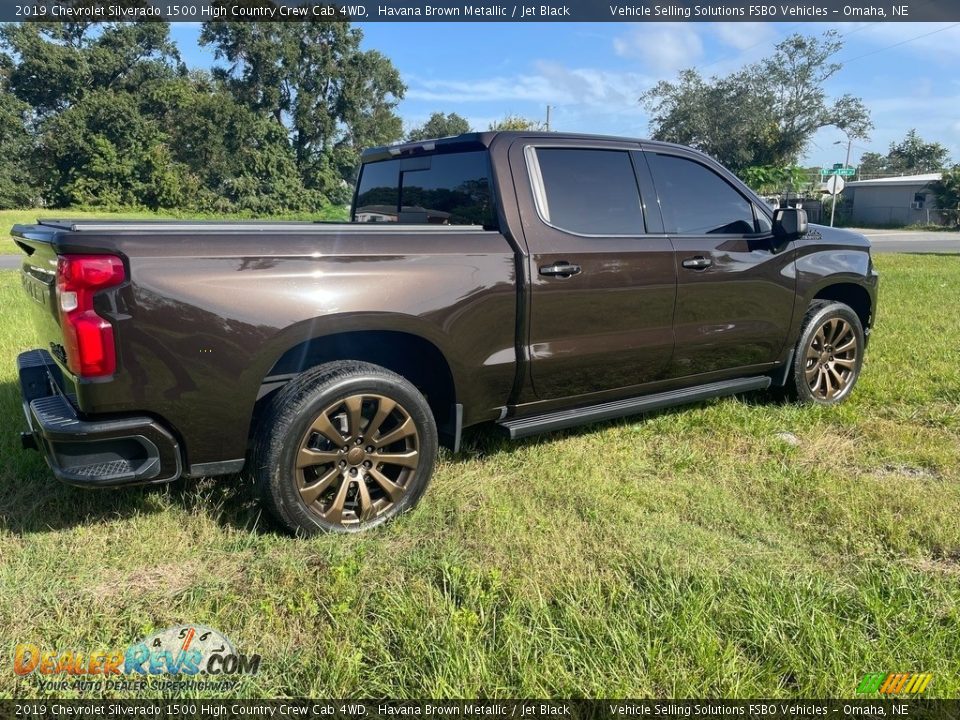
480, 140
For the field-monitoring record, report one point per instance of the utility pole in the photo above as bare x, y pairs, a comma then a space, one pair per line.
548, 118
846, 164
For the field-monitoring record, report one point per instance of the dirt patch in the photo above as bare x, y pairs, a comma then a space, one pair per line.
169, 580
909, 471
942, 560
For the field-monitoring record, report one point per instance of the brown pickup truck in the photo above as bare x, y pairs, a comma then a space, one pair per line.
532, 280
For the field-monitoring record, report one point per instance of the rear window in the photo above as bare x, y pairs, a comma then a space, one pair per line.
589, 191
452, 189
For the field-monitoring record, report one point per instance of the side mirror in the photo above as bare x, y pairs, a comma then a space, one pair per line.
789, 223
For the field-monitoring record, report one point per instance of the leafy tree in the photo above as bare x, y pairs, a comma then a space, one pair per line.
770, 179
103, 152
947, 194
313, 80
107, 115
763, 114
17, 186
910, 156
240, 159
78, 85
517, 122
438, 126
59, 63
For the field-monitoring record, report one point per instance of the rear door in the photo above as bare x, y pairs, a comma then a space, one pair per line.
603, 278
735, 287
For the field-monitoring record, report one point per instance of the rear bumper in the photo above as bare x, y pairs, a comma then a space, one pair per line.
127, 450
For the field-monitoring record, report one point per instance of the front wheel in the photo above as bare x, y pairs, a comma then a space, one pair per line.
828, 356
343, 448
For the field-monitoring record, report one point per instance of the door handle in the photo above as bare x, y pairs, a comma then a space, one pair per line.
560, 268
697, 263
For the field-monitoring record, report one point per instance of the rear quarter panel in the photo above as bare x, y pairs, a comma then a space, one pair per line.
204, 318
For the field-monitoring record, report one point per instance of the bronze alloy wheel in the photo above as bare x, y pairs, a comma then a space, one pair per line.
831, 360
355, 461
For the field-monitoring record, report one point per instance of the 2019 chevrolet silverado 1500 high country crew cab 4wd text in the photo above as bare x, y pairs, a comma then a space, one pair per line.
533, 280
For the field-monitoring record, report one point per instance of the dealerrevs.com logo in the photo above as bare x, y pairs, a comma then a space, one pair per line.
186, 651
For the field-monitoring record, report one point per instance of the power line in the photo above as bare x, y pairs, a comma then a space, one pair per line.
749, 47
902, 42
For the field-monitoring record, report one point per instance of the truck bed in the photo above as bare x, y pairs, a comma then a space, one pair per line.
248, 226
213, 312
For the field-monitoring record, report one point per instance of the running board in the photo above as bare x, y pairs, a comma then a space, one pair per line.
548, 422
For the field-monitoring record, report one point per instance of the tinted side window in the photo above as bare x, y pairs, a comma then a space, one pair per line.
378, 194
695, 200
449, 189
591, 192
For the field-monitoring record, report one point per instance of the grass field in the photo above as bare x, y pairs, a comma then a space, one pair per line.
697, 552
9, 218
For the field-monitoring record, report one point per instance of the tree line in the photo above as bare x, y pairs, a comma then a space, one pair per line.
108, 115
759, 119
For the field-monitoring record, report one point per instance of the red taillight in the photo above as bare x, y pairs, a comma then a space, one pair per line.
87, 337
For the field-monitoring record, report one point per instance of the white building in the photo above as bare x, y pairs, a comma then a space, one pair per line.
905, 200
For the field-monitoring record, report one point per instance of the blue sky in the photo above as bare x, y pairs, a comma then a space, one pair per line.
593, 73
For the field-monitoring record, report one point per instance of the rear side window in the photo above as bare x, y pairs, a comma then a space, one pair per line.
452, 189
589, 192
695, 200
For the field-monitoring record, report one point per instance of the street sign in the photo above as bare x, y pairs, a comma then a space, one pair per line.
835, 185
844, 171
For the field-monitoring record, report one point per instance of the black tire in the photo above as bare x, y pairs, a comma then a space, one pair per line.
825, 366
307, 420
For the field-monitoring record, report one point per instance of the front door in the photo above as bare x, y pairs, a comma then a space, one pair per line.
602, 286
735, 286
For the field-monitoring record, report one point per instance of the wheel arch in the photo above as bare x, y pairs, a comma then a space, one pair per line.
409, 354
851, 294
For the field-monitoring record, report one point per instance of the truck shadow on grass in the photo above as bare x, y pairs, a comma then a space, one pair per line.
33, 501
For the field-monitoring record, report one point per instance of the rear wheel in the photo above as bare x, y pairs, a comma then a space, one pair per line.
828, 356
343, 448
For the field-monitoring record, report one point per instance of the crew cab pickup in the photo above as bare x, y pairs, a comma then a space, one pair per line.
532, 280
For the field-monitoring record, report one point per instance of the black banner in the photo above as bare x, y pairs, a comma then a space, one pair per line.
484, 709
482, 10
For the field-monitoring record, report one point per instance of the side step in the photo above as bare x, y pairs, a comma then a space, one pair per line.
548, 422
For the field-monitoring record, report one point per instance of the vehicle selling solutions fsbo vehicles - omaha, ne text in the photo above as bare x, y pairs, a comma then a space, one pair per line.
532, 280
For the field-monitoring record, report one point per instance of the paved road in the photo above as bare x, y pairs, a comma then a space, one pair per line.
906, 241
885, 241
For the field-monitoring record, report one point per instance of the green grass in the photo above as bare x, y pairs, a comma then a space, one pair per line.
9, 218
691, 553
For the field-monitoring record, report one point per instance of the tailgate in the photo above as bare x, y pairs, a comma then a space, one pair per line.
38, 274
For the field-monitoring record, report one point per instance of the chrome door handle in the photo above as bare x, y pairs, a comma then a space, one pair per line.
562, 269
697, 263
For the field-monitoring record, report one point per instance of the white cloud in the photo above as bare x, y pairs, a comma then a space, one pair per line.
666, 48
663, 48
550, 82
526, 88
743, 35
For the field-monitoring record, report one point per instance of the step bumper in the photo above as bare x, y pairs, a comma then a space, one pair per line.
87, 451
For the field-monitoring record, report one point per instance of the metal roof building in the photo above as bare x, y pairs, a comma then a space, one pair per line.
904, 200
